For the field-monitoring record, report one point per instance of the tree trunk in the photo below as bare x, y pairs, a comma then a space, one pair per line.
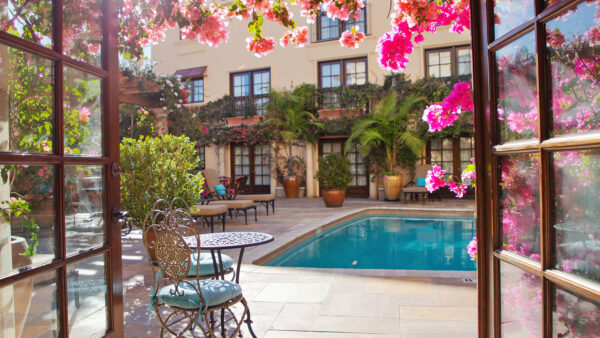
290, 161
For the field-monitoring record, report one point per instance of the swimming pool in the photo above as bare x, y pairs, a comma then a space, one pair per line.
399, 242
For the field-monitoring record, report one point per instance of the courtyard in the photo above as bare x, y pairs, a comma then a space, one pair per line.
301, 302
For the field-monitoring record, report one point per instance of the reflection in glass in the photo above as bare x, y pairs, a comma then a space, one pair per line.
28, 307
517, 90
26, 102
508, 14
28, 217
30, 20
573, 42
82, 30
577, 212
83, 113
521, 302
87, 297
84, 207
574, 316
520, 204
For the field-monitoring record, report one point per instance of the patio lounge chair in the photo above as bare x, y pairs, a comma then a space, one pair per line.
212, 181
416, 187
264, 199
207, 213
191, 301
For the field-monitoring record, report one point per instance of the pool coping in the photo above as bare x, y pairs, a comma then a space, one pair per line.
294, 237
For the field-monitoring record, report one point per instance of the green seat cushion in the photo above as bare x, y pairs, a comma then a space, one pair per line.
206, 267
215, 292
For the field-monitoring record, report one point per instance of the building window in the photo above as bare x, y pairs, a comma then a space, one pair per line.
451, 154
328, 29
251, 90
195, 89
201, 155
448, 62
335, 75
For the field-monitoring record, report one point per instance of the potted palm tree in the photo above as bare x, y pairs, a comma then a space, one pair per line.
388, 127
286, 113
334, 176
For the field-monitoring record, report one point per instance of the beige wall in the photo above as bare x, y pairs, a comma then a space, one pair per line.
289, 66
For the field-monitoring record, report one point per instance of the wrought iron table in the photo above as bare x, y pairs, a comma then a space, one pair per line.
215, 242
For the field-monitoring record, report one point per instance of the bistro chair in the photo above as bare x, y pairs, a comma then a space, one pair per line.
182, 303
202, 263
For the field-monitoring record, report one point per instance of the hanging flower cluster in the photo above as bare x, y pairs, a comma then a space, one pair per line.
411, 19
442, 115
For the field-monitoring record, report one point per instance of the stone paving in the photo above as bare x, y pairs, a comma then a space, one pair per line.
295, 302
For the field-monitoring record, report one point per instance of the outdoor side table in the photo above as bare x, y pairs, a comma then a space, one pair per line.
215, 242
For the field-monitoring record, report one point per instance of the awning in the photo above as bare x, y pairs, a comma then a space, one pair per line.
191, 72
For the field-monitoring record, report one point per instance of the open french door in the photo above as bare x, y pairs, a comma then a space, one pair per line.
60, 252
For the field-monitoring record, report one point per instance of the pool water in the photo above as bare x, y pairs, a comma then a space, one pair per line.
397, 242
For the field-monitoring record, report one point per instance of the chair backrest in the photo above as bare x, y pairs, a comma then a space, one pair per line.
164, 212
171, 244
211, 178
421, 170
240, 184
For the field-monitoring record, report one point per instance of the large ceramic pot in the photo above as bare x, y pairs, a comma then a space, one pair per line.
334, 197
392, 185
291, 184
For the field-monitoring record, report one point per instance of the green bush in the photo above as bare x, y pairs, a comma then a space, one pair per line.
334, 172
155, 168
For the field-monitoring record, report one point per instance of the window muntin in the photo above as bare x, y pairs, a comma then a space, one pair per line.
331, 75
251, 90
448, 62
452, 155
356, 73
195, 89
508, 14
328, 29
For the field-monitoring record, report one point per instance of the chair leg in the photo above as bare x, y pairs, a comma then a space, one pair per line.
273, 206
223, 219
212, 223
255, 214
246, 215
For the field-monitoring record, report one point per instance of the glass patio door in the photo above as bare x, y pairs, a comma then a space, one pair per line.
255, 162
60, 255
359, 187
538, 161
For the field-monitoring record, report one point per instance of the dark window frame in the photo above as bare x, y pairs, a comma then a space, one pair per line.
250, 97
456, 162
453, 61
333, 90
342, 25
190, 88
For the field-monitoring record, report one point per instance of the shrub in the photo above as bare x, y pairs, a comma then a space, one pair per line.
155, 168
334, 172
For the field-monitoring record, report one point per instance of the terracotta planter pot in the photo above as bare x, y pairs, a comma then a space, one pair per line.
238, 120
333, 197
339, 112
291, 184
392, 185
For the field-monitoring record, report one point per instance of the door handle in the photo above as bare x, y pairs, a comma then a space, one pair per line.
117, 215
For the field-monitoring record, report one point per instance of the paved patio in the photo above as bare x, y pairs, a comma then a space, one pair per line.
294, 302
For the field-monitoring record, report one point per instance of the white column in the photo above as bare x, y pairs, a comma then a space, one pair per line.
310, 170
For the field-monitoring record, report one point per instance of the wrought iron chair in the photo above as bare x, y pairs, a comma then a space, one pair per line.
204, 261
191, 301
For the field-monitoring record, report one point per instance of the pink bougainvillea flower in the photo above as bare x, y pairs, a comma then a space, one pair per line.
435, 179
261, 47
438, 118
393, 47
84, 114
472, 248
298, 37
457, 188
205, 129
352, 38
